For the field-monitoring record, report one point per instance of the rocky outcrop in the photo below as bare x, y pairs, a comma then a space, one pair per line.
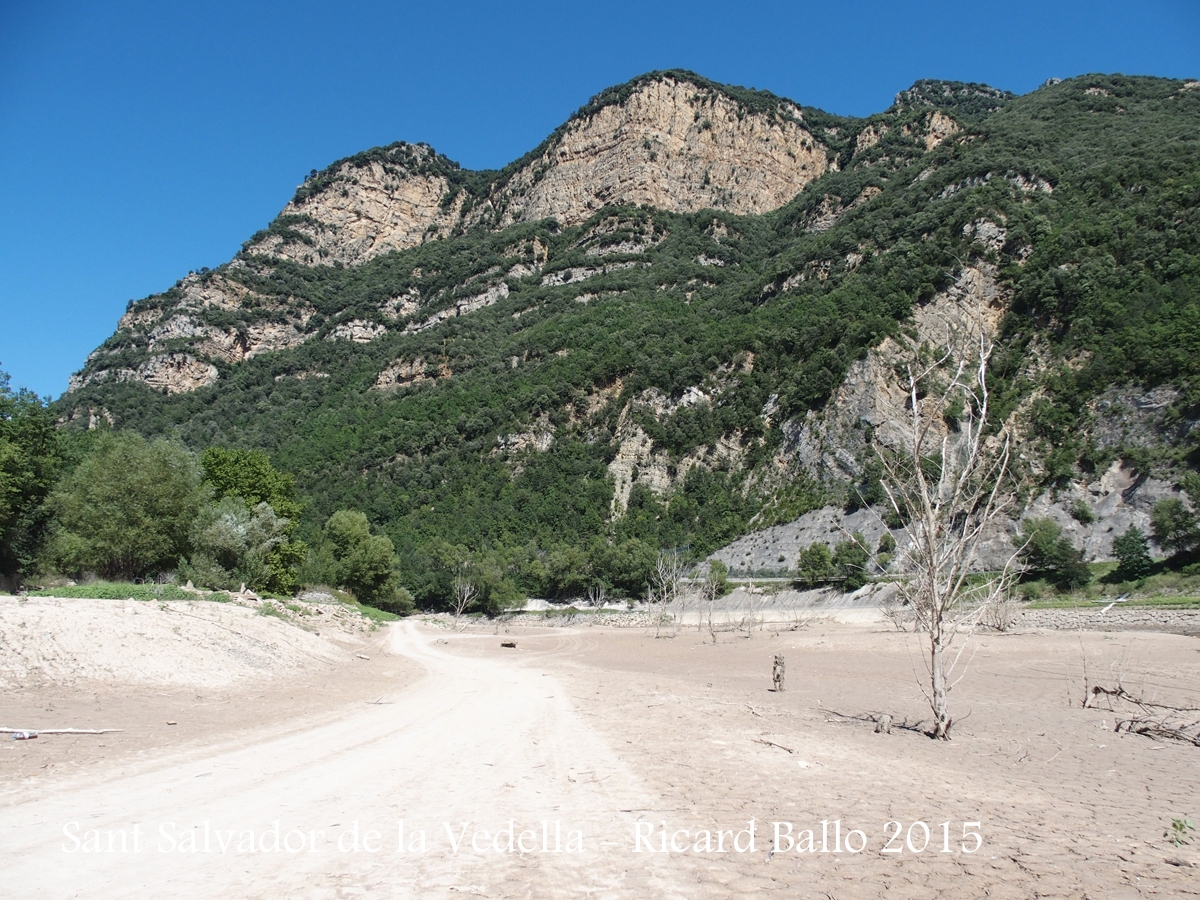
638, 461
360, 331
182, 347
1116, 501
403, 373
363, 207
463, 306
939, 127
669, 145
830, 443
172, 373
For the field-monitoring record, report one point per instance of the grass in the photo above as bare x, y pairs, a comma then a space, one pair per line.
370, 612
117, 590
347, 599
1163, 589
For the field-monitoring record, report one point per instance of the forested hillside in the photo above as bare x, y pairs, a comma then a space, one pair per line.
551, 402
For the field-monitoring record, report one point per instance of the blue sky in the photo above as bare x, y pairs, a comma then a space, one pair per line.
141, 139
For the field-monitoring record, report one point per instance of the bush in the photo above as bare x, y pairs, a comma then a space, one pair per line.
1132, 551
851, 559
365, 563
1082, 513
1048, 554
1174, 526
126, 511
233, 544
815, 564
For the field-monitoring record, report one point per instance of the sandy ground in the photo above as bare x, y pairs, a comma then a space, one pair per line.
604, 736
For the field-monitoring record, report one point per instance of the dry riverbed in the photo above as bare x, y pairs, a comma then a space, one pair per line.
443, 764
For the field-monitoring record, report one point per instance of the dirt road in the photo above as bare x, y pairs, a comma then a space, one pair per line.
476, 749
530, 772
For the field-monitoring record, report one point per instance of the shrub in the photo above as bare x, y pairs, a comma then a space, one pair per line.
1082, 513
1132, 551
127, 509
1047, 553
365, 563
851, 559
1174, 526
815, 564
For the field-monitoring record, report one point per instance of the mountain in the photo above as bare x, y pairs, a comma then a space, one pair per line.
675, 321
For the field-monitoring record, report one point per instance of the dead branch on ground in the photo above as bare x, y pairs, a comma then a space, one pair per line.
1149, 718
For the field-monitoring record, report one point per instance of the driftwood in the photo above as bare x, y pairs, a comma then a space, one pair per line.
511, 645
1154, 720
773, 744
60, 730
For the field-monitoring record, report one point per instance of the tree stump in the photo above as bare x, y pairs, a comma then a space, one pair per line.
777, 672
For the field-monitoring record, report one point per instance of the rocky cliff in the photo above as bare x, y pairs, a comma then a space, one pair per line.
383, 200
670, 144
681, 318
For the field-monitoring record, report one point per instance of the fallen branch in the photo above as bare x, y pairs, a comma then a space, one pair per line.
60, 730
1152, 727
773, 744
1153, 720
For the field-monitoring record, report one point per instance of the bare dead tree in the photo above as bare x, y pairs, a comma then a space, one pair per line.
949, 488
709, 589
597, 596
750, 617
465, 593
667, 584
895, 611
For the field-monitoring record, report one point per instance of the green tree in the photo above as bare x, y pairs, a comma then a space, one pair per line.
851, 559
1047, 553
127, 509
249, 476
234, 544
364, 563
1174, 526
815, 564
29, 463
1132, 551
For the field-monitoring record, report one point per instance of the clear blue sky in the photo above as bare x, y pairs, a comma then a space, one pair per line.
140, 139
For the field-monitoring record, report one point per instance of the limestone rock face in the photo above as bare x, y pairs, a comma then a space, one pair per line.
831, 441
464, 306
402, 374
173, 373
940, 127
670, 145
182, 346
363, 209
359, 331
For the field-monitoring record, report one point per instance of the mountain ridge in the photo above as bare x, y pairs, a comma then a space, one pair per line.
677, 377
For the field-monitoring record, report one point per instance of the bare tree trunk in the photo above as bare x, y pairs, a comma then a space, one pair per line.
668, 575
941, 714
750, 618
464, 594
